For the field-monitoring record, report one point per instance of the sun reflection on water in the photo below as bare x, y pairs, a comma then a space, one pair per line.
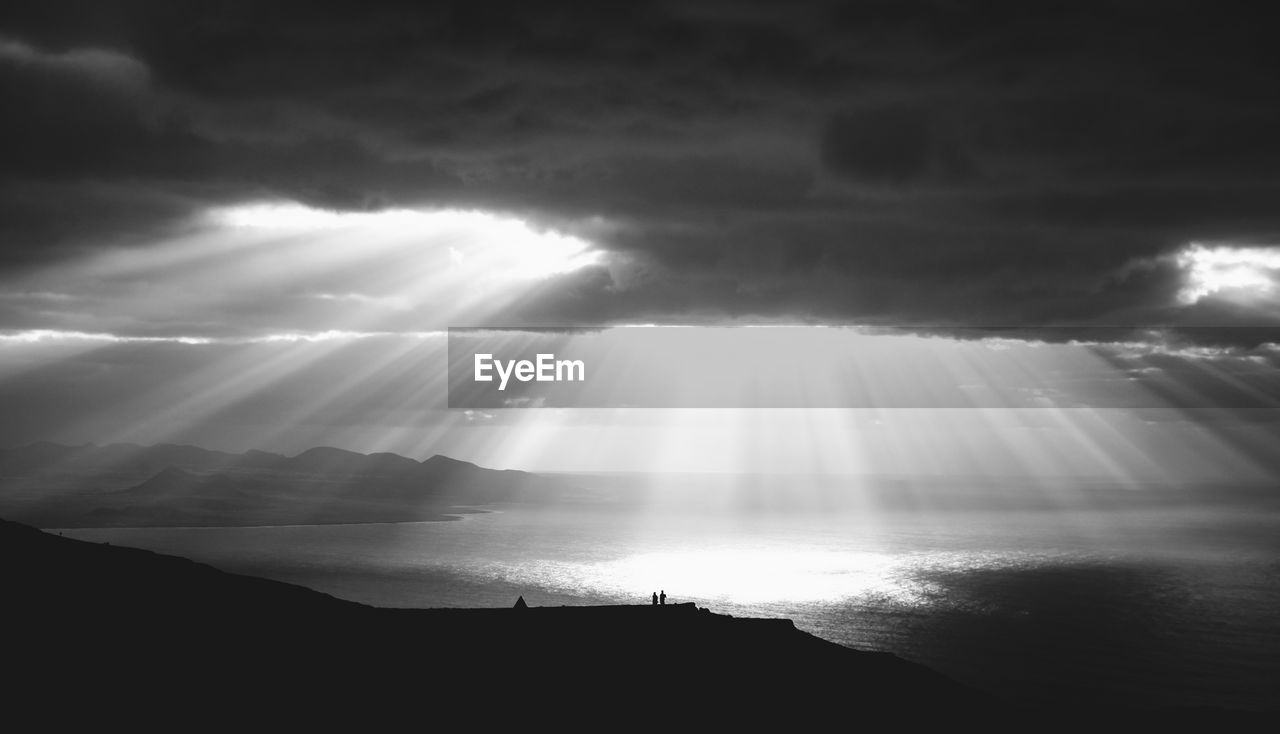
735, 575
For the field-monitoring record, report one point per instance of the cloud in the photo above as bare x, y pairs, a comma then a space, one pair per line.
895, 145
897, 164
1229, 272
99, 64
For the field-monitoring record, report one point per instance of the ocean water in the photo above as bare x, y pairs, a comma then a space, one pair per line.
1172, 607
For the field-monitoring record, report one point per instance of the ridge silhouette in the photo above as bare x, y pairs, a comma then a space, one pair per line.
111, 630
172, 485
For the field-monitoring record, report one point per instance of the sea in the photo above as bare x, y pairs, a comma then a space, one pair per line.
1172, 607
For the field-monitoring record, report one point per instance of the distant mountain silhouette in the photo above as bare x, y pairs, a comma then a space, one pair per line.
173, 479
50, 485
100, 633
338, 462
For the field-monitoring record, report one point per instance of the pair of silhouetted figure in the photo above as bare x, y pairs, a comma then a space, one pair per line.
660, 599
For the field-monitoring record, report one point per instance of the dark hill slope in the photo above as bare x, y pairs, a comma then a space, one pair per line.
97, 634
155, 634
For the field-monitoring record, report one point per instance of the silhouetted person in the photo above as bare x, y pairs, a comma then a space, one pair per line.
655, 598
663, 599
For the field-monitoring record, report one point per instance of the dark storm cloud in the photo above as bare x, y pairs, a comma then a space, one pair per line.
892, 145
1024, 163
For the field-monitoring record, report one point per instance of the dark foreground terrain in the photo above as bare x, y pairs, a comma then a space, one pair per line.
98, 634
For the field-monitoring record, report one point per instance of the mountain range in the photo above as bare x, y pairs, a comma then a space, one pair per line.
51, 485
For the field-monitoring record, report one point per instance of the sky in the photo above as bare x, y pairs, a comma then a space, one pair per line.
249, 225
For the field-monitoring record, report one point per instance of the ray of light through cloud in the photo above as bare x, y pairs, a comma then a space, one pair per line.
254, 286
264, 269
940, 331
340, 338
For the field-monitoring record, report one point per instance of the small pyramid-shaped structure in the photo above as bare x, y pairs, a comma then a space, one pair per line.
520, 603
